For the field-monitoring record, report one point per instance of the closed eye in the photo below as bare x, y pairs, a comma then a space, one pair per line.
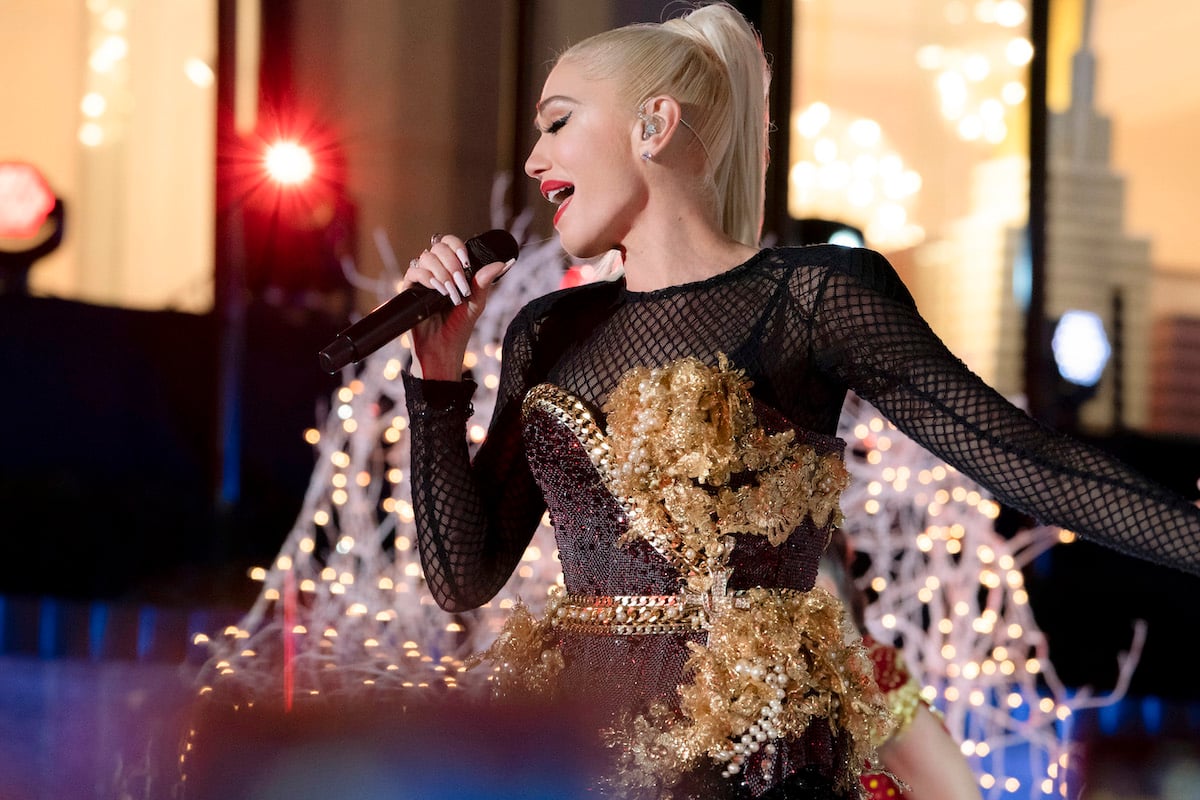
557, 125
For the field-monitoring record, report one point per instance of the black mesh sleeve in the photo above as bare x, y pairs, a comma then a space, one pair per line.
474, 518
871, 335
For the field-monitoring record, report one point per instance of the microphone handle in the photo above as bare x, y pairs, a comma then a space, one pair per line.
410, 307
382, 325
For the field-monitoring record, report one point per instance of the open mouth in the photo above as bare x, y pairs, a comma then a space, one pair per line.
559, 195
562, 207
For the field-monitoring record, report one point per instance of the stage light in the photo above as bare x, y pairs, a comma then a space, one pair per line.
31, 223
26, 200
298, 219
1081, 348
289, 163
846, 237
1080, 351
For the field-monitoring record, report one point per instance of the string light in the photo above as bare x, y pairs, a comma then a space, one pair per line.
974, 614
350, 553
844, 169
980, 84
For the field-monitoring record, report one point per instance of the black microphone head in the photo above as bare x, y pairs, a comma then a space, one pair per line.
494, 245
337, 354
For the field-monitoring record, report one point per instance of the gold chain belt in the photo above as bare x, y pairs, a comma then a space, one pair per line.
639, 614
628, 614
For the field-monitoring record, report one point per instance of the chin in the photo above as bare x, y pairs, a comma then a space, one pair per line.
581, 250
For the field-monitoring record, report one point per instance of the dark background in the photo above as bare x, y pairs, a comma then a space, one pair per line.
110, 454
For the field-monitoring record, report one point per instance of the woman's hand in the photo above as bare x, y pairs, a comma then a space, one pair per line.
439, 343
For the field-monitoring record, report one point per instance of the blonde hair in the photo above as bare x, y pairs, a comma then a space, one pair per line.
711, 61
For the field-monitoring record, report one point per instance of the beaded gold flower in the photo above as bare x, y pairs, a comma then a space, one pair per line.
525, 660
775, 661
691, 461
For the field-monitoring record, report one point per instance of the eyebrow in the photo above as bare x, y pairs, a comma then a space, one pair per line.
556, 98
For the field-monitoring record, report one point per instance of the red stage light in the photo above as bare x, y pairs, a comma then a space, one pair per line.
26, 200
289, 163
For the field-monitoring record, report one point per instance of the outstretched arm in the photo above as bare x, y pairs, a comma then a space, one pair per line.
869, 333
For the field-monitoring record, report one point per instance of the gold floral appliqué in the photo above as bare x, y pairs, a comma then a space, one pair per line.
689, 458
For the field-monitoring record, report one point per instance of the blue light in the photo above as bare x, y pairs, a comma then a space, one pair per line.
1081, 348
846, 237
97, 628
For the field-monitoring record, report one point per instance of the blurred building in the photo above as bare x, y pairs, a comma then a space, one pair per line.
1175, 376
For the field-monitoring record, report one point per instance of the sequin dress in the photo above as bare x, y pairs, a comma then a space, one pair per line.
804, 325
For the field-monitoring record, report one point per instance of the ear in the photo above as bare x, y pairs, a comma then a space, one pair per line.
657, 121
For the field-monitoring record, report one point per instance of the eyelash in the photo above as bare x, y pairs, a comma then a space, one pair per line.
556, 126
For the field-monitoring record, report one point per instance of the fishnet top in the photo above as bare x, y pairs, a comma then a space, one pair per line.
806, 324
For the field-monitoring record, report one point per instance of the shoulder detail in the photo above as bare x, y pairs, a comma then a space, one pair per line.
866, 267
552, 321
586, 298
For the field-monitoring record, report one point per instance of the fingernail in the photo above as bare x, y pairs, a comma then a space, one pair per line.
462, 256
452, 292
433, 284
461, 281
507, 266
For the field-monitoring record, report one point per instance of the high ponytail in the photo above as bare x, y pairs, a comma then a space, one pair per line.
711, 61
741, 170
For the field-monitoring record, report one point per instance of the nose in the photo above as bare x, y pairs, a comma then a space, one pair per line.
536, 163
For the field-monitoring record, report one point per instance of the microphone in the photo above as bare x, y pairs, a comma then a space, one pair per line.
411, 306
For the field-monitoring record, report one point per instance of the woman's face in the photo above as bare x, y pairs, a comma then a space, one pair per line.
586, 161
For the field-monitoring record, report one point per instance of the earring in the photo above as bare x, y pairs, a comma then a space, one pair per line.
646, 156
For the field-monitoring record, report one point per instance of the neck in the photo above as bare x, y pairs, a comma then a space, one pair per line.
678, 250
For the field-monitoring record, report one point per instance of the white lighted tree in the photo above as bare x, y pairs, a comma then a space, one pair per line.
344, 606
949, 590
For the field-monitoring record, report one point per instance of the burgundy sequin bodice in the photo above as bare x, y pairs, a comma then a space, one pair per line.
588, 521
612, 674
